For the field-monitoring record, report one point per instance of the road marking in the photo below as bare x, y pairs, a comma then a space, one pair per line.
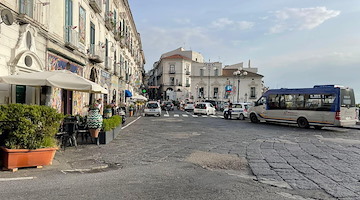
204, 116
185, 115
130, 123
166, 115
167, 112
221, 117
195, 116
176, 115
214, 116
17, 179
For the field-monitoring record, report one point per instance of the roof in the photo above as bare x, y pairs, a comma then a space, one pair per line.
177, 56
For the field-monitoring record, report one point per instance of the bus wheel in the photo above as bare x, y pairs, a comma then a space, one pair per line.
241, 117
303, 123
318, 127
253, 118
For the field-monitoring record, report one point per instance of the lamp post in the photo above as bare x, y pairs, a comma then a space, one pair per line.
239, 73
208, 66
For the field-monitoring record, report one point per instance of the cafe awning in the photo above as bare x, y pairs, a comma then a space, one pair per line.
139, 98
59, 78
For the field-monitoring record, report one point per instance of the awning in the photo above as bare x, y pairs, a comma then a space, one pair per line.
128, 93
139, 98
59, 78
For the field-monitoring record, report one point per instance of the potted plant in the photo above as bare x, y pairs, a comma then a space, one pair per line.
28, 135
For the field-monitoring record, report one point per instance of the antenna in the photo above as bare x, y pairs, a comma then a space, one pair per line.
7, 17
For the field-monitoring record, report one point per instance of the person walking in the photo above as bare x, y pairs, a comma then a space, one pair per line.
95, 120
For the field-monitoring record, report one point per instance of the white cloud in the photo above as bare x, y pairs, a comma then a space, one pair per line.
182, 21
228, 23
301, 18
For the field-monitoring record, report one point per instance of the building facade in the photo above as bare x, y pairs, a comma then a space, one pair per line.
181, 75
96, 39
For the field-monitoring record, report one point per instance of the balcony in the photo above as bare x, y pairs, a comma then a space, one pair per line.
96, 5
96, 53
187, 85
108, 64
187, 72
71, 37
117, 35
32, 11
116, 69
109, 21
172, 72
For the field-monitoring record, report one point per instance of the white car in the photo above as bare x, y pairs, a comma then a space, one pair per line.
205, 108
152, 108
189, 106
239, 111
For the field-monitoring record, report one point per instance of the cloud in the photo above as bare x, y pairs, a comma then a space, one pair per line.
183, 21
222, 23
290, 19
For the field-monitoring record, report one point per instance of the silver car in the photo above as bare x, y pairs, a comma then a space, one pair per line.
152, 108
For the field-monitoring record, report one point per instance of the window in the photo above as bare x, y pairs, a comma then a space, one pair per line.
82, 25
201, 92
68, 20
20, 94
252, 92
216, 72
216, 92
92, 38
172, 81
172, 69
26, 7
201, 72
187, 81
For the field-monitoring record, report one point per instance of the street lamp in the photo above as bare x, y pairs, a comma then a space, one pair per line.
208, 66
239, 73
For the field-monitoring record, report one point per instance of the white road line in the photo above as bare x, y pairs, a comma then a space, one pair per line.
130, 123
185, 115
176, 115
166, 115
195, 116
16, 179
221, 117
167, 112
204, 116
213, 116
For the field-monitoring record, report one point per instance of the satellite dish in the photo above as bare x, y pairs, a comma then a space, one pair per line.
7, 17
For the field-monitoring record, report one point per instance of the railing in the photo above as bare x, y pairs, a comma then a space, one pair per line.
71, 37
96, 5
109, 20
187, 72
96, 53
172, 72
187, 85
108, 64
32, 10
116, 69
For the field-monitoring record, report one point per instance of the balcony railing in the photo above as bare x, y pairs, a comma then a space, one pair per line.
32, 11
108, 64
187, 72
96, 5
96, 53
109, 20
71, 37
116, 69
187, 85
172, 72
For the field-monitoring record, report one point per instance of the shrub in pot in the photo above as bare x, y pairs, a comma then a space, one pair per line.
28, 129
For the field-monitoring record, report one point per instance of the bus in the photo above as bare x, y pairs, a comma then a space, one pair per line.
322, 105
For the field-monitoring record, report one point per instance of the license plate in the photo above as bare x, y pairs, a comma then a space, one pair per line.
152, 110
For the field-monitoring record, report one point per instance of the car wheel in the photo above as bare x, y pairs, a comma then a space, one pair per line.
253, 118
303, 122
242, 117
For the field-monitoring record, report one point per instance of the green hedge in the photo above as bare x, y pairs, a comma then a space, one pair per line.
32, 126
111, 123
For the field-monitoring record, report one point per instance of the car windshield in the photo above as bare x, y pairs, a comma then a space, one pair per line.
200, 106
152, 105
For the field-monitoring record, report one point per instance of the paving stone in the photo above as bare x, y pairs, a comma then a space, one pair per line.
280, 165
259, 165
270, 177
354, 186
302, 165
263, 172
340, 177
291, 176
276, 159
340, 192
303, 184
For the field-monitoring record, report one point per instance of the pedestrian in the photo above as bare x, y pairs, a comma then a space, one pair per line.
94, 121
230, 109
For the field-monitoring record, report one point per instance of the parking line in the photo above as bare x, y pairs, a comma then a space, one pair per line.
214, 116
195, 116
166, 115
204, 116
185, 115
176, 115
130, 123
16, 179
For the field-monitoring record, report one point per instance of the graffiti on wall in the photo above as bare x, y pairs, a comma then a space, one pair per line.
55, 99
58, 63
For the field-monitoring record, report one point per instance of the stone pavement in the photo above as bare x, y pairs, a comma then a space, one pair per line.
308, 164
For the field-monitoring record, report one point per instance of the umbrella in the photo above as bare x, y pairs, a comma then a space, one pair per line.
59, 78
139, 98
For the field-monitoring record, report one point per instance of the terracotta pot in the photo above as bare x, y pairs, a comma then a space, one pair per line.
17, 158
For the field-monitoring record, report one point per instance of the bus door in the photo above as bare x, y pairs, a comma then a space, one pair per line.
260, 107
347, 107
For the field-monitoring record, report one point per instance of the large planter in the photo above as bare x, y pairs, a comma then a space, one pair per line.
17, 158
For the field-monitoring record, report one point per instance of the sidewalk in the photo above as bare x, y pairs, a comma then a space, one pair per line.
86, 157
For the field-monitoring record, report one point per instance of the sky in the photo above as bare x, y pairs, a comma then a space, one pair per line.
293, 43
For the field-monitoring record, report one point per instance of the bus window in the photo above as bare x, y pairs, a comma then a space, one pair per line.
347, 98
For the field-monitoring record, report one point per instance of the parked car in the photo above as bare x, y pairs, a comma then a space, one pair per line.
213, 102
189, 105
167, 105
205, 108
152, 108
239, 111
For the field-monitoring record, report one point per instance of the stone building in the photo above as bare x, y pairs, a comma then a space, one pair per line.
96, 39
180, 75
